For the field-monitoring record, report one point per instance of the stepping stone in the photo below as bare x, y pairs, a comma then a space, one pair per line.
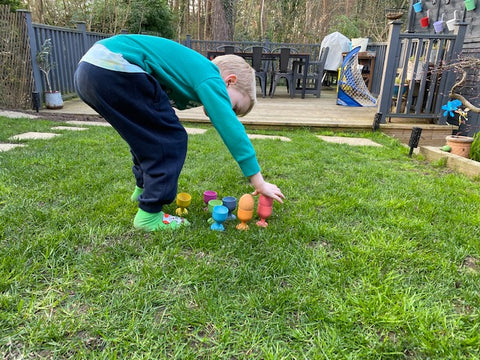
100, 123
349, 140
33, 135
16, 115
72, 128
193, 131
257, 136
6, 147
90, 123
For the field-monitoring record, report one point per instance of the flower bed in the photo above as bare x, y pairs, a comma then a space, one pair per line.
463, 165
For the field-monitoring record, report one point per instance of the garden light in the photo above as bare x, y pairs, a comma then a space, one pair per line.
414, 139
36, 100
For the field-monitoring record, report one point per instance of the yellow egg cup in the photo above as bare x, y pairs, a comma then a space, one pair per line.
183, 201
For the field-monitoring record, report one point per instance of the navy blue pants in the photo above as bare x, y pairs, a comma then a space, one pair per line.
140, 111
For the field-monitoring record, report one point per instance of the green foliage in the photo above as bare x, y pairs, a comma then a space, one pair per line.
373, 255
151, 16
350, 27
475, 148
14, 4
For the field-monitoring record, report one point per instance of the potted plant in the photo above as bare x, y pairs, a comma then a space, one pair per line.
475, 148
458, 144
53, 99
420, 71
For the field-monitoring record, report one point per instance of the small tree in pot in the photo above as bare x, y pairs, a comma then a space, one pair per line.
53, 99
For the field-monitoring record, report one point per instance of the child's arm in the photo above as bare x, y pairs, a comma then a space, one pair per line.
265, 188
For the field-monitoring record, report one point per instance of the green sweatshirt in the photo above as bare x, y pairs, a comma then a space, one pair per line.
190, 80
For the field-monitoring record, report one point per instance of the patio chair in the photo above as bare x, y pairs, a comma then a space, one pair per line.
283, 71
260, 66
229, 49
315, 74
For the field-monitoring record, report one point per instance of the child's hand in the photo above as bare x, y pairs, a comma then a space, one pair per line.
265, 188
271, 191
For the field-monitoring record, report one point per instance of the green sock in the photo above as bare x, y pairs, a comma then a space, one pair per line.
136, 193
157, 221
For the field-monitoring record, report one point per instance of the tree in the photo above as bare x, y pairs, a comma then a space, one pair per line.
223, 18
278, 20
150, 16
44, 62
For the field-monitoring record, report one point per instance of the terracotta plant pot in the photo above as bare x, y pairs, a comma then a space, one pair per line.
460, 145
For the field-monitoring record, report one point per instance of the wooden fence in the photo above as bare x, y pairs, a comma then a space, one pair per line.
21, 39
16, 81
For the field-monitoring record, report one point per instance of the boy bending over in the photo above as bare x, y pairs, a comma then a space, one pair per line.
134, 81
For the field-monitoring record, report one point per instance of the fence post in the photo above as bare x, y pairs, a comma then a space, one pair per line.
411, 17
389, 70
37, 76
82, 27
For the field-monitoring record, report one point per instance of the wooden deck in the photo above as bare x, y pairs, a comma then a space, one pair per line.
282, 112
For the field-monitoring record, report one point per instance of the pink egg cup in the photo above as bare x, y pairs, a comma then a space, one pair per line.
207, 196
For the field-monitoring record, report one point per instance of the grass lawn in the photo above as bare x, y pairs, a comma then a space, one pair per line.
374, 255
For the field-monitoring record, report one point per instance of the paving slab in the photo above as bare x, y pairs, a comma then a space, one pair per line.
349, 140
88, 123
6, 147
33, 136
270, 137
194, 131
71, 128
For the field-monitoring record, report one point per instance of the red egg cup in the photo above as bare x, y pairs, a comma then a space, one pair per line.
264, 210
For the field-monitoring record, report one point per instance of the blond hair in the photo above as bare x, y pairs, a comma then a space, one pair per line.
233, 64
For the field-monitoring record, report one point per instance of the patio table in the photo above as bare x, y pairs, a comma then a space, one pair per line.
303, 58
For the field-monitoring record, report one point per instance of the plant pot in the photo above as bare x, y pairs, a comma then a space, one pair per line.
460, 145
470, 5
451, 23
438, 25
53, 100
421, 70
417, 7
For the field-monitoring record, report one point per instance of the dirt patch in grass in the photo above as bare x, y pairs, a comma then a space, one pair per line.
471, 264
62, 117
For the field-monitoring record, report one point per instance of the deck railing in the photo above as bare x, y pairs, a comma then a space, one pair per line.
413, 85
